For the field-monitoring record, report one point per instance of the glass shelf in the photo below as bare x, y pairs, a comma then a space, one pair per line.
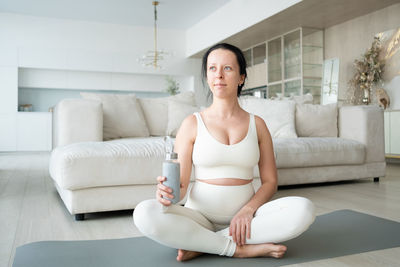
255, 55
247, 56
311, 48
312, 77
274, 90
306, 49
258, 92
274, 60
315, 91
259, 54
308, 66
275, 57
292, 88
312, 82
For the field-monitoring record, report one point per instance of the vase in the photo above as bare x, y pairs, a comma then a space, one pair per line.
367, 96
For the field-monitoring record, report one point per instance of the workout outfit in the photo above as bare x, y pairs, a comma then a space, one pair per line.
203, 223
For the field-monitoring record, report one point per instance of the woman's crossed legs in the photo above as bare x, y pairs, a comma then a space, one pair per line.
191, 232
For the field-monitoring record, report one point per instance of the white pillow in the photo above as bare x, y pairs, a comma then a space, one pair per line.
177, 112
155, 111
122, 115
316, 120
278, 115
303, 99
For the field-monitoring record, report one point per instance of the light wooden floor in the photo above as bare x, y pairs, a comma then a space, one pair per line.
31, 210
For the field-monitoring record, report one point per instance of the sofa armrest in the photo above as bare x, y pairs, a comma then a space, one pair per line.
366, 125
77, 120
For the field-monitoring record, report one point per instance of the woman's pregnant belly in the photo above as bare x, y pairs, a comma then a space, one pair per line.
219, 203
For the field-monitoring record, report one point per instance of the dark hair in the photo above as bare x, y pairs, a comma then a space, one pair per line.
239, 56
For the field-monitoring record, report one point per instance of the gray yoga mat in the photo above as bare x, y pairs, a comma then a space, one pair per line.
335, 234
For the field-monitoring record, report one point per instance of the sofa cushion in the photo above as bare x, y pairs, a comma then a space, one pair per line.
278, 115
156, 111
126, 161
316, 120
317, 151
122, 115
68, 121
177, 112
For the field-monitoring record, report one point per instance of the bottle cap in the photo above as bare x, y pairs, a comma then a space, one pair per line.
169, 146
171, 155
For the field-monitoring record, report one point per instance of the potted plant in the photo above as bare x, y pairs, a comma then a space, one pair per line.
172, 85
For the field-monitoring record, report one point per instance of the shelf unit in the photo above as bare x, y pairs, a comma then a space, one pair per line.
295, 64
392, 132
286, 65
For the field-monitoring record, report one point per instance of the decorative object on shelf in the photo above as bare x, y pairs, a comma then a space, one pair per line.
172, 86
25, 107
383, 98
330, 81
369, 70
152, 58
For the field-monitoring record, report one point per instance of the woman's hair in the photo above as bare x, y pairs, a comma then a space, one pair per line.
239, 56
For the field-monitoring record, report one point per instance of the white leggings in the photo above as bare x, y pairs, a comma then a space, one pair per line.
203, 224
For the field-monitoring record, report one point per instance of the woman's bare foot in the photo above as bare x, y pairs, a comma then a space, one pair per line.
260, 250
185, 255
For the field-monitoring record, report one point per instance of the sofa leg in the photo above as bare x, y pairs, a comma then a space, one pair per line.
80, 217
376, 179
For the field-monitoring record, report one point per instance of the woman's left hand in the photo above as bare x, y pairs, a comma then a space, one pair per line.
240, 226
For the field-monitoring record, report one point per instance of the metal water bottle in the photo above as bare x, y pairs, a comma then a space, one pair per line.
171, 170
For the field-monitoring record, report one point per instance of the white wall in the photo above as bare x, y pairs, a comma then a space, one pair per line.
60, 53
237, 16
88, 46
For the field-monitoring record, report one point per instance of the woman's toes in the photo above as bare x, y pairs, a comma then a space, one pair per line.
277, 255
279, 251
282, 248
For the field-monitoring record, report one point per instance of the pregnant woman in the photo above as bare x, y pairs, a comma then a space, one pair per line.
223, 214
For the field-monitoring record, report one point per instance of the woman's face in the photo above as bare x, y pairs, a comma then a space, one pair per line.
223, 73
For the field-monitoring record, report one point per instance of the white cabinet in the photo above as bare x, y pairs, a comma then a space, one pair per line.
8, 89
20, 131
26, 131
8, 107
387, 131
8, 132
392, 133
34, 131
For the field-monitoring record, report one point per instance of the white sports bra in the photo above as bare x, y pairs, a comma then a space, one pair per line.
212, 159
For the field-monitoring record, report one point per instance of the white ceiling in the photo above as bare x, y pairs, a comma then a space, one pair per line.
182, 14
176, 14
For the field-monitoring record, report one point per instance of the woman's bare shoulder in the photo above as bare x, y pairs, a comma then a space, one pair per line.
262, 128
188, 128
260, 123
189, 121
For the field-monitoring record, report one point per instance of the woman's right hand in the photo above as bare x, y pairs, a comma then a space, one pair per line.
163, 191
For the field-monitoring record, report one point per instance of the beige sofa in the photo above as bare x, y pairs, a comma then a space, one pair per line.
312, 144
